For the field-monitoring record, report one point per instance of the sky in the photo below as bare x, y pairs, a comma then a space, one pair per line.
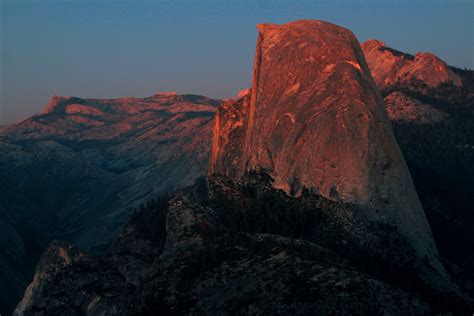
117, 48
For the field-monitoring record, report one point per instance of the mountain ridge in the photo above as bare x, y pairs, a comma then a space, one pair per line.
77, 170
393, 66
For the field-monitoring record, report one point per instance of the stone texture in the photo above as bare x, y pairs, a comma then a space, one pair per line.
316, 120
230, 125
405, 109
389, 66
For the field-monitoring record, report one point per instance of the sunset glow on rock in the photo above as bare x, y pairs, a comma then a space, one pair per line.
389, 66
339, 183
315, 119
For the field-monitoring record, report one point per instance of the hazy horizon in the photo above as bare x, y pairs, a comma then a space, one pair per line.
111, 49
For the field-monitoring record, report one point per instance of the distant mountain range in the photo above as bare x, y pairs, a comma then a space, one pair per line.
77, 171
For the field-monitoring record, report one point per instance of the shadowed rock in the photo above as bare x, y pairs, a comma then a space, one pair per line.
213, 264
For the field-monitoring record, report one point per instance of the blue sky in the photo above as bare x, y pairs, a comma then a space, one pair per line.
114, 48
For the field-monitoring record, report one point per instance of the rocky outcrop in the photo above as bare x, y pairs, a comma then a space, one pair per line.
315, 120
389, 67
58, 255
405, 109
69, 281
408, 82
230, 125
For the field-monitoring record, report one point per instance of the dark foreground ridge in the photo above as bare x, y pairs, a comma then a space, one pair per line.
238, 247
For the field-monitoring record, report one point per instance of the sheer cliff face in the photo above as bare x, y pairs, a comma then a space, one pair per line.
230, 124
390, 66
316, 120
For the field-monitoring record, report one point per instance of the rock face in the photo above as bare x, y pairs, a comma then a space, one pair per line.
230, 125
315, 120
405, 109
77, 170
58, 255
389, 66
398, 74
